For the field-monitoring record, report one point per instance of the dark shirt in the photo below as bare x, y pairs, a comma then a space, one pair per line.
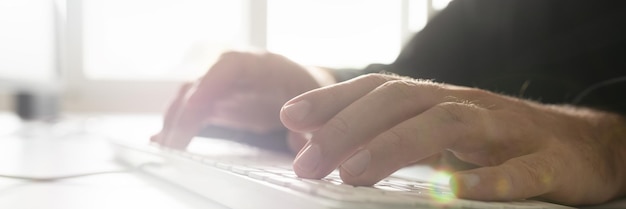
552, 51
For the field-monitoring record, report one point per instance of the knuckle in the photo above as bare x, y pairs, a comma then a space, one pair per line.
185, 88
404, 88
412, 91
529, 169
375, 78
481, 97
399, 84
477, 93
536, 174
398, 140
270, 55
451, 112
231, 55
337, 126
245, 56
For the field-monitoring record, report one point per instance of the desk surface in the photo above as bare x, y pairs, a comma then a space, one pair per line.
70, 152
45, 154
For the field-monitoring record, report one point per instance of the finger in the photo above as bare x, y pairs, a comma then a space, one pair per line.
196, 107
185, 126
172, 110
365, 118
519, 178
415, 139
327, 101
156, 138
175, 106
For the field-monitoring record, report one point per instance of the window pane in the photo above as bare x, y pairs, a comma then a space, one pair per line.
27, 40
418, 15
347, 33
158, 39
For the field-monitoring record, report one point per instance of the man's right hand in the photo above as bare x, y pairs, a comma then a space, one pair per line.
242, 90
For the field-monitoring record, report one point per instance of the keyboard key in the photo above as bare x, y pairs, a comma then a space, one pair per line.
369, 190
258, 175
391, 188
340, 195
316, 182
224, 166
393, 199
243, 170
344, 188
302, 187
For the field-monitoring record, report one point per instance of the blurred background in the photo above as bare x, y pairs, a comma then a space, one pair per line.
132, 55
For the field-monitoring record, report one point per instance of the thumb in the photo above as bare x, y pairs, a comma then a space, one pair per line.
518, 178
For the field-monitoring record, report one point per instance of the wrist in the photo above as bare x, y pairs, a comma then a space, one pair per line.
619, 150
609, 134
622, 159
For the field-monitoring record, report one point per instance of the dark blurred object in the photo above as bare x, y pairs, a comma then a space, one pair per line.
30, 105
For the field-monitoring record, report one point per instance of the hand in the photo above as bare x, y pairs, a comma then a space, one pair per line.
242, 90
373, 125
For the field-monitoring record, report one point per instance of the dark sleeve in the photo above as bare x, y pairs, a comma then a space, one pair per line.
555, 52
467, 39
435, 52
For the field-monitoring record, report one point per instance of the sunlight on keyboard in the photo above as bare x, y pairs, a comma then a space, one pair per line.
223, 171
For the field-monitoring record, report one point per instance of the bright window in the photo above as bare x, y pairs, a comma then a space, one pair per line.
131, 55
158, 39
180, 39
347, 33
27, 41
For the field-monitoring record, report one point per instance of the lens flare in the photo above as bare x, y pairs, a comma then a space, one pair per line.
503, 187
440, 191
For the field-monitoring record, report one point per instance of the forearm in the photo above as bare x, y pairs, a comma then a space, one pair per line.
610, 135
619, 135
621, 154
613, 135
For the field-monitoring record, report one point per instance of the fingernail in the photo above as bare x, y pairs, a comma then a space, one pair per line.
309, 158
297, 111
357, 164
469, 180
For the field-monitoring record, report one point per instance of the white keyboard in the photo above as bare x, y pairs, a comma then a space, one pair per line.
242, 179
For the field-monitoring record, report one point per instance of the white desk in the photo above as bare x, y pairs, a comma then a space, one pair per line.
44, 156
